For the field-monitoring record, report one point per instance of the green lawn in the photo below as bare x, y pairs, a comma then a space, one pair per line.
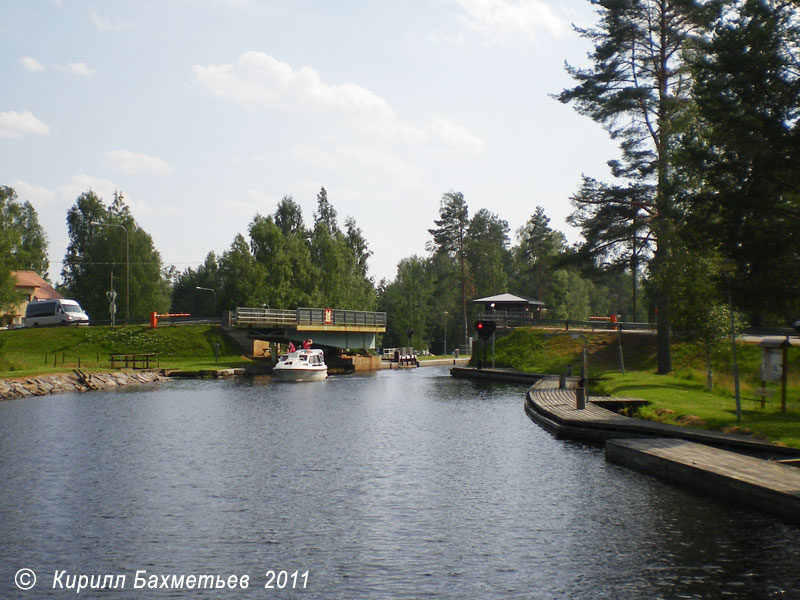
681, 401
679, 397
26, 352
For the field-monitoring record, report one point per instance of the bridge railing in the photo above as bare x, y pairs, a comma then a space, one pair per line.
264, 317
274, 317
349, 318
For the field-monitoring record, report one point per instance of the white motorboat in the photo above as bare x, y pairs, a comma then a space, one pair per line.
301, 365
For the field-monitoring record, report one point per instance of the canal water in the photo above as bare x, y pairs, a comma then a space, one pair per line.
398, 484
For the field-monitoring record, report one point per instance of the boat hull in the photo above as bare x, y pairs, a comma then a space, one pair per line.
300, 374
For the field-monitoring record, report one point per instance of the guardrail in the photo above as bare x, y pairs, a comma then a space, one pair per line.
347, 318
274, 317
507, 319
264, 317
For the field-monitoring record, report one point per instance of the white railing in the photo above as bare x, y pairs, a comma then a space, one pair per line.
274, 317
264, 317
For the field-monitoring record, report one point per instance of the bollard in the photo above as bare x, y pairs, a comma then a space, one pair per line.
562, 381
580, 394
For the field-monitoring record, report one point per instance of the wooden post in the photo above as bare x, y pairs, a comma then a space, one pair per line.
784, 369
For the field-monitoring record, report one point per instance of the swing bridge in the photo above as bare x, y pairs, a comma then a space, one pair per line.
326, 326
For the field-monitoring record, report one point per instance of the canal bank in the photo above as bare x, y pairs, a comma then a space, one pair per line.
77, 381
732, 467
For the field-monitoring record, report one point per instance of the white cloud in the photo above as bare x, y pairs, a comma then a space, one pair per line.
77, 68
456, 135
506, 21
262, 82
104, 24
15, 124
133, 163
31, 64
36, 194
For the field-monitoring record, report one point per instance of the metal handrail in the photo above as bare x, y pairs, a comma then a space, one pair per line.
308, 316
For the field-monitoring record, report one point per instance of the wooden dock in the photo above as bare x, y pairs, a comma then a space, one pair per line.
735, 468
728, 466
495, 374
555, 410
764, 485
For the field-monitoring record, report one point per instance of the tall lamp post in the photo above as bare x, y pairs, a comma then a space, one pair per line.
213, 298
729, 265
444, 315
127, 266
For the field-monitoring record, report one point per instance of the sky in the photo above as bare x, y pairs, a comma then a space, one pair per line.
205, 113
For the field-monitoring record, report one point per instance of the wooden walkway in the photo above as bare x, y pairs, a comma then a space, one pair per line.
555, 410
719, 464
767, 486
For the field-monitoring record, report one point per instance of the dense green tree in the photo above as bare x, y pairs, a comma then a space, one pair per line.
97, 254
537, 254
289, 217
638, 89
570, 296
616, 234
25, 239
742, 156
243, 278
363, 295
325, 213
289, 275
408, 299
486, 249
23, 244
449, 238
701, 314
186, 298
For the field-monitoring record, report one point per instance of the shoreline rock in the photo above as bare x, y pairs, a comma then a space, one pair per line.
42, 385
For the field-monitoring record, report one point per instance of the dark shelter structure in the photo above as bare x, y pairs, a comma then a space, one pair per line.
508, 310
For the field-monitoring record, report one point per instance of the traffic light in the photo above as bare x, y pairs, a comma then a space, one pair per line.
485, 328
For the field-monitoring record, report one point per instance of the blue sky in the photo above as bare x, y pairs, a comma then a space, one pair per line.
205, 113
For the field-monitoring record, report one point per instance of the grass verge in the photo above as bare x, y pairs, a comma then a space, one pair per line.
678, 398
28, 352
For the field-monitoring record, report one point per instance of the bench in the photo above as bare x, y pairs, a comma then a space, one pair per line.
763, 395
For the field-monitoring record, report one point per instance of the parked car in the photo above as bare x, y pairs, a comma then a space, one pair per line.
55, 312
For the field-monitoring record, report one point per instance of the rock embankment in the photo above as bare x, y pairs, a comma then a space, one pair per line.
73, 382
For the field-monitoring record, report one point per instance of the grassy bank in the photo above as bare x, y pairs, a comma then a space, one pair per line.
26, 352
680, 397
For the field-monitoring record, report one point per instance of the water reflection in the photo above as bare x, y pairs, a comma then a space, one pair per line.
391, 485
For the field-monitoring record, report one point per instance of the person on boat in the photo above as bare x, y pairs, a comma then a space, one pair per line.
307, 343
291, 347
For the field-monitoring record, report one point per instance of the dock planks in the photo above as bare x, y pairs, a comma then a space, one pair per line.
718, 464
555, 410
767, 486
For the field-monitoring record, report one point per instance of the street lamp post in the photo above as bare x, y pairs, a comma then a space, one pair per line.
733, 354
729, 267
127, 266
445, 313
213, 297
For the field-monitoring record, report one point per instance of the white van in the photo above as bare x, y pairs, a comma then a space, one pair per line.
55, 312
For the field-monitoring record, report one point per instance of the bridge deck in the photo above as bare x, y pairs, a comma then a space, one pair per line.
328, 327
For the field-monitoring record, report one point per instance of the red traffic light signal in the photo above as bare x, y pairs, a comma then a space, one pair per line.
485, 328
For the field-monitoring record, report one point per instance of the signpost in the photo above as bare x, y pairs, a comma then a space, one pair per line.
112, 305
485, 328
